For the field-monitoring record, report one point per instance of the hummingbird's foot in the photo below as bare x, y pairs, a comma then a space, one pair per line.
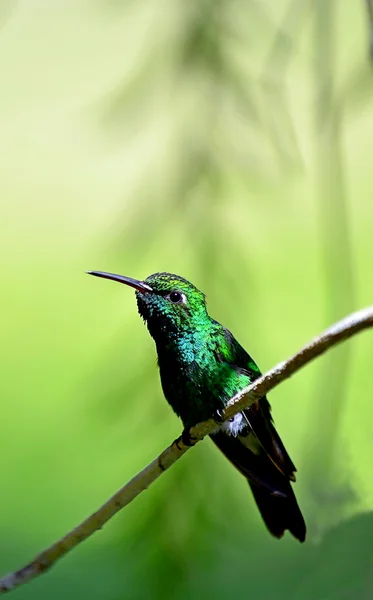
187, 439
218, 416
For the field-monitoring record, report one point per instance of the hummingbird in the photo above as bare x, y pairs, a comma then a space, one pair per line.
202, 366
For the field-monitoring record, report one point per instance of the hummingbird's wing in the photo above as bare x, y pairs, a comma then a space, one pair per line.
258, 415
257, 451
259, 418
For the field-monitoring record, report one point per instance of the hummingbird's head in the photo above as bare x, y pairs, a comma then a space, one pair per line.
166, 302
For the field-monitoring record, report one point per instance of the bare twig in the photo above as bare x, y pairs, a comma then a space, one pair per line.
342, 330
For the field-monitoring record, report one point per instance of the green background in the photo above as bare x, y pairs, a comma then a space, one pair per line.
230, 142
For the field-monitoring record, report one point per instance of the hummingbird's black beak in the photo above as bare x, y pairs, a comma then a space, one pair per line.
135, 283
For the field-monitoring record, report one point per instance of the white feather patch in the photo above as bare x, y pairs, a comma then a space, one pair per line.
234, 425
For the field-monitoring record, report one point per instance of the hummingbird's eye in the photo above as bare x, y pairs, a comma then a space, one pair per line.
176, 297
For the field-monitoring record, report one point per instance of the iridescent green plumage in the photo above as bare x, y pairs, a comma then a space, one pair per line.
202, 366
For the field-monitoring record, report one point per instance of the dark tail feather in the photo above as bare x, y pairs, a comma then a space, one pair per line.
271, 489
280, 512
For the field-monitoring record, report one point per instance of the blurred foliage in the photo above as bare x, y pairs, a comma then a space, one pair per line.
229, 142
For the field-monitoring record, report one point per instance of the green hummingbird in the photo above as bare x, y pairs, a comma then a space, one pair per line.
201, 367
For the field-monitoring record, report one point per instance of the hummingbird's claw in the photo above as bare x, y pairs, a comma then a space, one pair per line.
218, 417
187, 438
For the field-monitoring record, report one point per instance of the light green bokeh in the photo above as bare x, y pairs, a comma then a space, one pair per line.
85, 185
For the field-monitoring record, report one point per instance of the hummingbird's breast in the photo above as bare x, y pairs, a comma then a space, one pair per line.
194, 381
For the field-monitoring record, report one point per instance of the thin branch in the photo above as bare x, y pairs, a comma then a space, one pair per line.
342, 330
